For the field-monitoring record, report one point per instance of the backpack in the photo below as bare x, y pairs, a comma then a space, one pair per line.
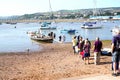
117, 48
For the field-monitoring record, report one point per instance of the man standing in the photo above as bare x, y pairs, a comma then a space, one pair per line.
115, 50
97, 50
74, 42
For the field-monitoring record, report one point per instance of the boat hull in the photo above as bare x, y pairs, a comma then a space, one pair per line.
87, 27
49, 28
42, 39
91, 25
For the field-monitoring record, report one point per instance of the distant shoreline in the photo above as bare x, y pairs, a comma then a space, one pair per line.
56, 20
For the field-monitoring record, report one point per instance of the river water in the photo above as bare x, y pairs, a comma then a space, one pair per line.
17, 40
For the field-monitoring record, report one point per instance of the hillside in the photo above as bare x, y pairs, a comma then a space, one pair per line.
67, 14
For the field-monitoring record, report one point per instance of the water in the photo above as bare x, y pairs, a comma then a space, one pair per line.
16, 40
104, 33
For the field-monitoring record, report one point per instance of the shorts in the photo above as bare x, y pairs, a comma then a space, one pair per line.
87, 55
116, 56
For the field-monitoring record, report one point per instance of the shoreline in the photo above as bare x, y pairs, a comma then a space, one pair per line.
44, 48
55, 20
54, 62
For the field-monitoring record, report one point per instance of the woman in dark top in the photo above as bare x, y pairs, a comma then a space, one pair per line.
86, 50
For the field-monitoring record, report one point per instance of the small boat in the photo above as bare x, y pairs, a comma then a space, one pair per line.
37, 36
64, 31
46, 39
68, 31
91, 25
94, 24
47, 26
71, 31
12, 23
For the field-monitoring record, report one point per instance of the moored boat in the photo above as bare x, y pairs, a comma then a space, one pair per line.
42, 39
47, 26
37, 36
71, 31
91, 25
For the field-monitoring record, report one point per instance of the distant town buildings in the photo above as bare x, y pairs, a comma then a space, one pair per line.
101, 13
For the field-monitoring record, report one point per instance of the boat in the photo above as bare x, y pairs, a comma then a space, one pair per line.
64, 31
37, 36
47, 26
41, 37
71, 31
45, 39
92, 24
12, 23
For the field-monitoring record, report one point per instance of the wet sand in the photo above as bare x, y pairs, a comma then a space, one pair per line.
55, 61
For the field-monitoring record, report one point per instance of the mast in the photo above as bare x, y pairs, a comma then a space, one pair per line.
95, 8
50, 9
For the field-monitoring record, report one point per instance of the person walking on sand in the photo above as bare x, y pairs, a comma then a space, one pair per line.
80, 46
74, 42
97, 50
115, 50
86, 50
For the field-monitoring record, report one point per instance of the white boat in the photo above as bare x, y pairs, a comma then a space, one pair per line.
91, 25
37, 36
47, 26
46, 39
94, 24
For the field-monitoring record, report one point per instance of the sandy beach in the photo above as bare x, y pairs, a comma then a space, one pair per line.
54, 62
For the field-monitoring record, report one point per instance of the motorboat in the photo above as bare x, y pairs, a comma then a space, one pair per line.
46, 39
47, 26
71, 31
68, 31
40, 37
91, 25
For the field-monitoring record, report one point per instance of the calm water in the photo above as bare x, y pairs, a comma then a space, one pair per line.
16, 40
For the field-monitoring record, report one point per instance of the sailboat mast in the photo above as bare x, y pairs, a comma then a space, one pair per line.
95, 8
50, 9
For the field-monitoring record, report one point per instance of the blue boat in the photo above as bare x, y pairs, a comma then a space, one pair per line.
71, 31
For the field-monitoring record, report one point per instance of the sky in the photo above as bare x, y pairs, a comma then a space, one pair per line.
21, 7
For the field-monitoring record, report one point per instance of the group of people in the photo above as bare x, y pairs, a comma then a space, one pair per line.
83, 47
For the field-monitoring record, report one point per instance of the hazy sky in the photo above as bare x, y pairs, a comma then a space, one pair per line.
20, 7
